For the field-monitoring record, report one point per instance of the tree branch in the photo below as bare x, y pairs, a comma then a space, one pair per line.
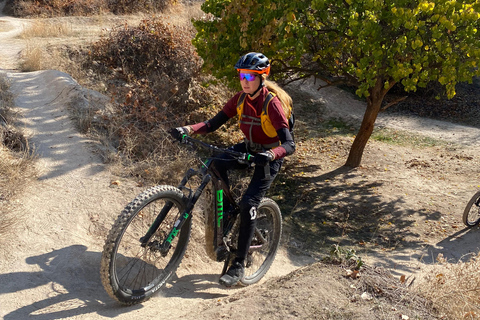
393, 103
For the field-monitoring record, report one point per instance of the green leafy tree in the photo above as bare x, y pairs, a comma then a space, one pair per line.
370, 44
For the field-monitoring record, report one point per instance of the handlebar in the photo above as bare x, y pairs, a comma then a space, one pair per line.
239, 156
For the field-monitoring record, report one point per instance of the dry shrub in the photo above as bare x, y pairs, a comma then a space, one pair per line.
155, 82
56, 8
454, 288
132, 6
13, 139
15, 162
151, 67
150, 52
381, 285
9, 136
6, 101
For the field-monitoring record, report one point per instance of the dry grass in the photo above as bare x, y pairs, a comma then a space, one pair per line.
16, 159
182, 15
16, 171
46, 29
454, 288
32, 57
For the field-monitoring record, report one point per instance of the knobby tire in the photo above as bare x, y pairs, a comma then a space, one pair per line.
262, 254
471, 214
129, 272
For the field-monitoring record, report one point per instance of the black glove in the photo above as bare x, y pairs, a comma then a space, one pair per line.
179, 133
263, 158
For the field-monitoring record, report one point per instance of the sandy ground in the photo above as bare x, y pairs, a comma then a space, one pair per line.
51, 271
54, 270
9, 51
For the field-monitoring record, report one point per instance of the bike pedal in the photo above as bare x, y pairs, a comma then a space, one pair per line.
222, 253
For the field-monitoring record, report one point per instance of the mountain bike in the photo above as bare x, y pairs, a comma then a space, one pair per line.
471, 214
148, 240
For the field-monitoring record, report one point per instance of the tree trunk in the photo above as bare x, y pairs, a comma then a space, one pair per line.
374, 102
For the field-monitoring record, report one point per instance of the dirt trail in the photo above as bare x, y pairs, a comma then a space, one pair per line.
54, 270
10, 49
51, 270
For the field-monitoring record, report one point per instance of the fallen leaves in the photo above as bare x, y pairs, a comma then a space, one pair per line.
355, 274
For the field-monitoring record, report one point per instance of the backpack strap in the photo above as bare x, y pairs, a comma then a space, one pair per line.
268, 98
241, 100
290, 117
263, 120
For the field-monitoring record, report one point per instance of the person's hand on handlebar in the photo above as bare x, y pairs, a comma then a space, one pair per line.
264, 158
179, 132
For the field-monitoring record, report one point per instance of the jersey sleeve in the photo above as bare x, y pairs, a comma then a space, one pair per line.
229, 109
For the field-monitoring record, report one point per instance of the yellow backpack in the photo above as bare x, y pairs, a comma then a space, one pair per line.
264, 120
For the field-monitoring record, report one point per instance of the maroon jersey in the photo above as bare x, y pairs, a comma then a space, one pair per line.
254, 108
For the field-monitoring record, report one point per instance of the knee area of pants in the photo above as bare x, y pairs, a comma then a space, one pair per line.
245, 205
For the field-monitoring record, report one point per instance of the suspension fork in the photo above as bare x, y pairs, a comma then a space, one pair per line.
166, 208
167, 243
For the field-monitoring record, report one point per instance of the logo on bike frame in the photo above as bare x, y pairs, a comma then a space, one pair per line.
219, 206
175, 230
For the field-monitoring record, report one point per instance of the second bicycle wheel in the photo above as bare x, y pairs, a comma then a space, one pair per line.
471, 214
266, 240
132, 272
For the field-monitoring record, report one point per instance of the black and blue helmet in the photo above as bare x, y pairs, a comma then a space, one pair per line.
253, 62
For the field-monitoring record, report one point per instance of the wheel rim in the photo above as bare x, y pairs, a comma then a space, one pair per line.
473, 215
138, 269
259, 252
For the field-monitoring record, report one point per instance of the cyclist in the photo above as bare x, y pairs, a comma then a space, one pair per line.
253, 69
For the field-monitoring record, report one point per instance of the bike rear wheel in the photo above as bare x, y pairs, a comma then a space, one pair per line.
265, 242
132, 273
471, 214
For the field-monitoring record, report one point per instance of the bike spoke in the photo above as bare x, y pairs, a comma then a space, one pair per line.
131, 272
471, 215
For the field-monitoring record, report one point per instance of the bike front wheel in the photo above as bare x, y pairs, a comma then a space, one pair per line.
471, 214
266, 240
132, 272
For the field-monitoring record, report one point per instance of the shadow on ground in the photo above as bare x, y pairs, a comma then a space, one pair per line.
74, 287
341, 208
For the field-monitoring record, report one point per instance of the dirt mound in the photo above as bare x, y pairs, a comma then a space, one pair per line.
324, 291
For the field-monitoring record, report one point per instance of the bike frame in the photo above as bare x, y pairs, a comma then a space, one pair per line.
215, 226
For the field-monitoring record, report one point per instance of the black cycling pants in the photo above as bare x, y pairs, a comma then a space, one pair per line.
258, 186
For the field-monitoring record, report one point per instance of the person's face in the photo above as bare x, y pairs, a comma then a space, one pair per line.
249, 81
